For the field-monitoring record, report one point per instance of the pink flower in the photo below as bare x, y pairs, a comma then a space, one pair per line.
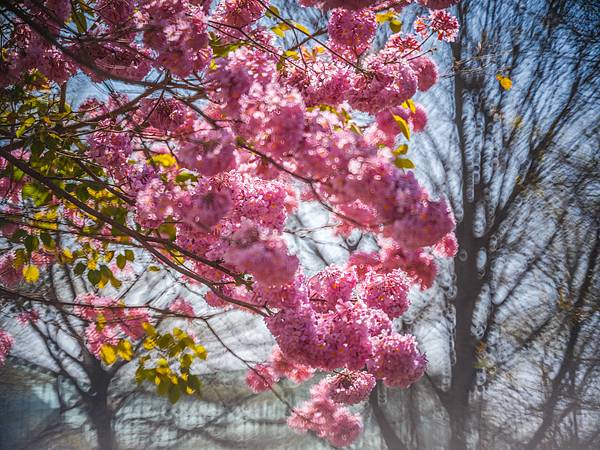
426, 71
441, 22
176, 30
258, 259
273, 119
239, 13
260, 378
347, 4
288, 368
183, 307
352, 30
331, 286
326, 419
419, 118
349, 388
9, 275
27, 317
385, 85
204, 206
208, 151
116, 13
447, 247
163, 114
6, 342
438, 4
388, 292
397, 361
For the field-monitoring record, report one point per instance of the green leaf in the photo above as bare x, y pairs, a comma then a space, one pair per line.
167, 231
401, 150
273, 12
174, 393
32, 243
26, 125
129, 255
47, 240
94, 276
121, 261
79, 18
79, 269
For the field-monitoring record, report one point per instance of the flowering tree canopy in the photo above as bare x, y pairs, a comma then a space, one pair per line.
237, 115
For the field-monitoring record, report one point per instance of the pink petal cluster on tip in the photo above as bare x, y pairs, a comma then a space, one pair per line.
285, 367
240, 13
6, 343
426, 71
260, 378
383, 85
326, 419
177, 31
182, 307
349, 388
438, 4
388, 292
346, 4
439, 22
209, 152
397, 361
352, 30
251, 253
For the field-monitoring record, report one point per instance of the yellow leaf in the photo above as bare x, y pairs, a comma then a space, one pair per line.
200, 351
302, 28
164, 159
401, 150
31, 273
505, 82
67, 254
124, 350
108, 354
403, 125
280, 29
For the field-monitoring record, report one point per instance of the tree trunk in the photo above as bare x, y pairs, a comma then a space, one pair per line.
100, 412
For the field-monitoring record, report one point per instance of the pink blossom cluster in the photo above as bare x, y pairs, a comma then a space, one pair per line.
352, 30
347, 4
6, 343
182, 307
108, 320
240, 13
349, 388
326, 418
439, 22
438, 4
177, 31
